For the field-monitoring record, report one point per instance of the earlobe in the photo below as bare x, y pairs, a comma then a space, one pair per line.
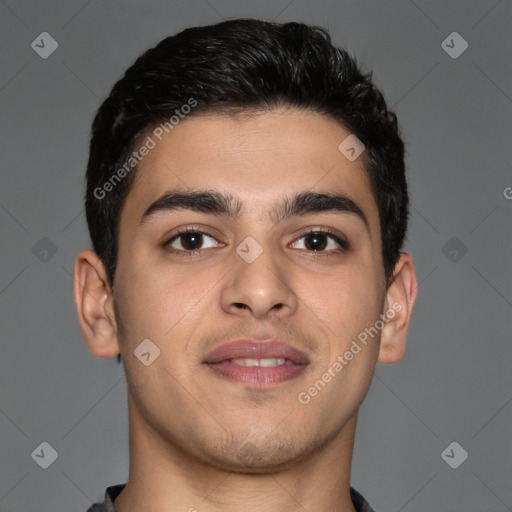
94, 304
400, 299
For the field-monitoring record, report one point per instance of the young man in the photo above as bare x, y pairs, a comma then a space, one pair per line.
247, 203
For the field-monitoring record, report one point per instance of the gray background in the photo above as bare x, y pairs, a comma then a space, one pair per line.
454, 383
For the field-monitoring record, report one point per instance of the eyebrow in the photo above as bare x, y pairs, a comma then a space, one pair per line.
224, 204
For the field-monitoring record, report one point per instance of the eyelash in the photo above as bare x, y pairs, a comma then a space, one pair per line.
344, 245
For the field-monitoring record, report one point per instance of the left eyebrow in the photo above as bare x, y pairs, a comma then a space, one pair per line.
224, 204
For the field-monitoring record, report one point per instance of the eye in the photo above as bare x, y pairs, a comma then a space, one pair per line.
318, 241
191, 240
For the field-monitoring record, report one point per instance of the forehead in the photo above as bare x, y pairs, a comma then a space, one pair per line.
256, 158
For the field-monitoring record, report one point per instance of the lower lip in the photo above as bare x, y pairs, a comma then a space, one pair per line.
260, 375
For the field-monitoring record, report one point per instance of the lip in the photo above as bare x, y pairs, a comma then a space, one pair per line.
220, 362
255, 349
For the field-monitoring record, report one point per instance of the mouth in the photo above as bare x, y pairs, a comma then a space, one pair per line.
256, 362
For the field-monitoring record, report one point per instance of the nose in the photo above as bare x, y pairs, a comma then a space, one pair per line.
260, 288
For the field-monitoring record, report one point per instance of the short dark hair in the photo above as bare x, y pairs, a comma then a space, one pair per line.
243, 65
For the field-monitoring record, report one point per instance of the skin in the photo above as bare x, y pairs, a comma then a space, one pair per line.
201, 442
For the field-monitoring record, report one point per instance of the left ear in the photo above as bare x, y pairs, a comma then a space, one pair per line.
400, 299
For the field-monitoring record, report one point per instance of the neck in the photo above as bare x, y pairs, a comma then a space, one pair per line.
163, 478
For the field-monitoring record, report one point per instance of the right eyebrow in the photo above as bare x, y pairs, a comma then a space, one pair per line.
203, 201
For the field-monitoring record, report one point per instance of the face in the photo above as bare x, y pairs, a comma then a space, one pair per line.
309, 276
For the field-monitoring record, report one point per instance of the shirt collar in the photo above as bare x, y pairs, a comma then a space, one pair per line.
112, 492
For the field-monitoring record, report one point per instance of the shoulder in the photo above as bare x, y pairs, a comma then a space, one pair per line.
360, 504
111, 493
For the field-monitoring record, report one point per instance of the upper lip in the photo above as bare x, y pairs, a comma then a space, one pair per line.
255, 349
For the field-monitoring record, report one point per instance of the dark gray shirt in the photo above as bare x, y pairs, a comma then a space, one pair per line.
111, 493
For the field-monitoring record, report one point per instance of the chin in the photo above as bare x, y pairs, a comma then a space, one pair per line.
261, 457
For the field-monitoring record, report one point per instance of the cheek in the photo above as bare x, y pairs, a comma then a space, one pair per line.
345, 301
155, 300
343, 307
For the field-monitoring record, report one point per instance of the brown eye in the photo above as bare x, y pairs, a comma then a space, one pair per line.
318, 241
189, 240
315, 242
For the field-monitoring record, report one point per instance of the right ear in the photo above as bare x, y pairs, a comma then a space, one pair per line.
95, 305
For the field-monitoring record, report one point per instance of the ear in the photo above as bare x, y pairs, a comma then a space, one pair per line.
95, 305
400, 299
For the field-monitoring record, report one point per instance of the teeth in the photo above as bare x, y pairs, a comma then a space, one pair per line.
271, 361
